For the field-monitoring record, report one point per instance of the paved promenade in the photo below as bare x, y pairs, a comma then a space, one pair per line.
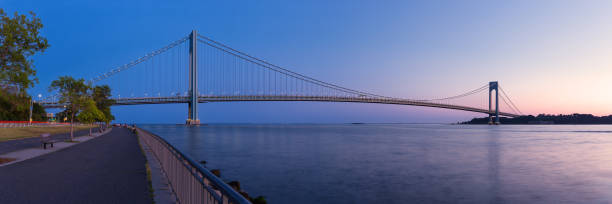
106, 169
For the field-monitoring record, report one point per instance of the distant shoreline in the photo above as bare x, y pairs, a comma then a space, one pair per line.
543, 119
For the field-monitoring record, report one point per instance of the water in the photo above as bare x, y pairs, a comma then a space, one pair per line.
406, 163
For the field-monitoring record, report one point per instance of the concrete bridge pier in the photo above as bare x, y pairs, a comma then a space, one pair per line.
494, 86
192, 117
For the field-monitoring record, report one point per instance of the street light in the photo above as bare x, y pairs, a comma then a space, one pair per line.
65, 117
31, 110
31, 106
39, 100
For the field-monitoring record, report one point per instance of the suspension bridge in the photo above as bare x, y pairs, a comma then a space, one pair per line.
196, 69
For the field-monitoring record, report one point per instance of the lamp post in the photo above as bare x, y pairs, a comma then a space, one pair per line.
32, 106
39, 100
31, 102
65, 117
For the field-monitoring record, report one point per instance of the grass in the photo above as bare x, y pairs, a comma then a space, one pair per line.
71, 141
6, 160
148, 169
26, 132
150, 181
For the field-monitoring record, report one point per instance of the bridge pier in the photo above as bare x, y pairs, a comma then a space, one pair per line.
494, 86
192, 117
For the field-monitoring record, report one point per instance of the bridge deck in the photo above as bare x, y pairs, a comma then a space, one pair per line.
207, 99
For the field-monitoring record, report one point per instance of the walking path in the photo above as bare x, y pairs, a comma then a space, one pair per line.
28, 153
105, 169
34, 142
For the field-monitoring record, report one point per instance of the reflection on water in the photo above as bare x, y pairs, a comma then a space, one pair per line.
399, 163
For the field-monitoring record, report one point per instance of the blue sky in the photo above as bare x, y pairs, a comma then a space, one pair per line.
549, 55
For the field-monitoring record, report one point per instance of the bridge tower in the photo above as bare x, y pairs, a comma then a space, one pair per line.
192, 118
493, 86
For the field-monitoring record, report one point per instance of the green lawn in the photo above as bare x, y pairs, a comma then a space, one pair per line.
25, 132
6, 160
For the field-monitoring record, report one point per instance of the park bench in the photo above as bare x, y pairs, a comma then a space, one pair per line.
45, 139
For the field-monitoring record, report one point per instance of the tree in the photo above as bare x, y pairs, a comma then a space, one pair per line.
17, 107
90, 113
63, 115
38, 112
73, 92
13, 107
101, 95
19, 40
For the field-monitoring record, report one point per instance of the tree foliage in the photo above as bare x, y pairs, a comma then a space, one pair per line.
38, 112
101, 95
19, 40
15, 107
72, 92
65, 114
549, 119
80, 98
90, 113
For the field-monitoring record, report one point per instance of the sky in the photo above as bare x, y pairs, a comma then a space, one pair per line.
550, 56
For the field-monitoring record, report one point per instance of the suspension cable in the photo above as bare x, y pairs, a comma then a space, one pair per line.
511, 108
138, 61
482, 88
286, 71
295, 75
503, 92
280, 71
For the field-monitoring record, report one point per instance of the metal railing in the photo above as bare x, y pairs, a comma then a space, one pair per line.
191, 182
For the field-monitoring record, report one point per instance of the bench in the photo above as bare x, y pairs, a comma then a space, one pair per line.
45, 139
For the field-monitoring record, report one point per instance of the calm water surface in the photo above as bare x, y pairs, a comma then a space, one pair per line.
406, 163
